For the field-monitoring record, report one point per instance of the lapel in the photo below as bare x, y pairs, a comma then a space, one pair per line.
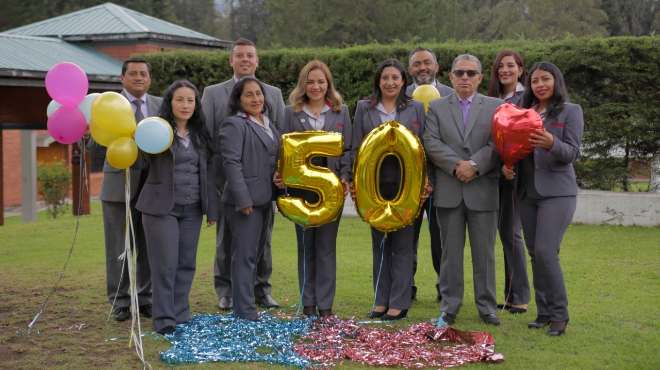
331, 119
261, 134
228, 86
475, 109
374, 118
152, 106
457, 115
303, 119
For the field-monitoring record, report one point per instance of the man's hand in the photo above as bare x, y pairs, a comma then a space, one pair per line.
464, 171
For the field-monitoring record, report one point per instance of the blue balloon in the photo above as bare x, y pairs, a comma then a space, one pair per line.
85, 106
154, 135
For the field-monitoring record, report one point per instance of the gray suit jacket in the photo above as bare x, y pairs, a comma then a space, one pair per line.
112, 189
554, 175
446, 144
334, 122
215, 105
249, 158
443, 89
157, 195
367, 118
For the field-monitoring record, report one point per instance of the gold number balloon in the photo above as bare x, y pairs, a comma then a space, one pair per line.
425, 94
390, 138
298, 172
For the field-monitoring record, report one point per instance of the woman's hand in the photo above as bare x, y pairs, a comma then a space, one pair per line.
428, 189
277, 180
246, 211
351, 189
346, 186
508, 173
541, 139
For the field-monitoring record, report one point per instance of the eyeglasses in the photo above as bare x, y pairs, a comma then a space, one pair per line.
460, 72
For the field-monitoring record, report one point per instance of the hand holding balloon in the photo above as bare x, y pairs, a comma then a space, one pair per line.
508, 173
277, 180
541, 139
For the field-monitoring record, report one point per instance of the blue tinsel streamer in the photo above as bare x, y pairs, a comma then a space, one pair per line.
213, 338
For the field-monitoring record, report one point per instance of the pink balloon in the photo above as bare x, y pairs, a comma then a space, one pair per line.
67, 125
67, 84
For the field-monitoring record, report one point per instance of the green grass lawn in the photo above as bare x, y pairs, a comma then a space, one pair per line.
612, 275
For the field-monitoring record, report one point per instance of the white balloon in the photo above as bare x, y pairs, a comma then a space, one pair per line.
52, 107
85, 106
154, 135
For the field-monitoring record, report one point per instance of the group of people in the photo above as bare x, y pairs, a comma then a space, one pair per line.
222, 164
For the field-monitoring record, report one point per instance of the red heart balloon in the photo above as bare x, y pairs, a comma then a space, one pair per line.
511, 129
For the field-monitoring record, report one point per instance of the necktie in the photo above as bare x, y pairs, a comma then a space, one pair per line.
138, 110
465, 108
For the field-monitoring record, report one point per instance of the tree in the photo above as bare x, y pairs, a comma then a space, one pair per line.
632, 17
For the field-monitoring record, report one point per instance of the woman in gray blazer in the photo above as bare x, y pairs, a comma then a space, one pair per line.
250, 145
177, 192
316, 105
507, 73
547, 189
392, 255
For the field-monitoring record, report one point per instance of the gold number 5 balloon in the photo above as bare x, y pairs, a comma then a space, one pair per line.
298, 172
390, 138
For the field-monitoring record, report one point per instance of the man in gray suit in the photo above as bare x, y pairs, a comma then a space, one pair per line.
135, 79
244, 61
458, 142
423, 67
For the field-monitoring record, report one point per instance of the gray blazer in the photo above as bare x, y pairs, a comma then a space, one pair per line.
215, 105
554, 175
334, 122
157, 195
112, 189
367, 118
443, 89
249, 158
446, 144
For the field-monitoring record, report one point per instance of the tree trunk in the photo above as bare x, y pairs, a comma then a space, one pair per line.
655, 174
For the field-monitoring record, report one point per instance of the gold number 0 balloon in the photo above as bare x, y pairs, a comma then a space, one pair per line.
390, 138
297, 171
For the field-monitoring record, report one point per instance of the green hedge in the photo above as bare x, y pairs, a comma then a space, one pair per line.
614, 79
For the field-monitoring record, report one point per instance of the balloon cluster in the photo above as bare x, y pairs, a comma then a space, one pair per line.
108, 115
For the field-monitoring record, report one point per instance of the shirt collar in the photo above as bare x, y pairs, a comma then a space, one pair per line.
468, 100
309, 112
381, 108
264, 117
519, 87
132, 98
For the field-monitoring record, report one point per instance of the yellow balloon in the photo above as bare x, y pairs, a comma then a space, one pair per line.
390, 138
122, 153
298, 172
112, 117
425, 94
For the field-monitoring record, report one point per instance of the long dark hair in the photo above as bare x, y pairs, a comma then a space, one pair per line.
196, 124
376, 95
559, 95
495, 88
237, 91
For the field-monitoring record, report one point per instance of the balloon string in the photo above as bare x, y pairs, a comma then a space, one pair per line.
380, 268
42, 309
304, 279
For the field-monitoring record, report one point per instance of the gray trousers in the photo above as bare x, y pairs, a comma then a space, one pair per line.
114, 227
481, 226
249, 235
222, 263
516, 284
545, 221
317, 264
392, 267
172, 242
434, 233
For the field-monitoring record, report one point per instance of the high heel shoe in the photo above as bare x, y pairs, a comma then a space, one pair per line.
376, 314
557, 328
399, 316
539, 323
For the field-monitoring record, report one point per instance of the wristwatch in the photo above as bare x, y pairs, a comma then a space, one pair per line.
474, 166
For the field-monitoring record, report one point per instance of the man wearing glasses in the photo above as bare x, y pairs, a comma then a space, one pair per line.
457, 138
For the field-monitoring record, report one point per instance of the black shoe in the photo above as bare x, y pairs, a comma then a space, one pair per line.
145, 310
267, 301
121, 313
515, 310
490, 319
448, 318
400, 316
226, 303
310, 311
169, 329
376, 314
501, 306
413, 296
539, 323
325, 313
557, 328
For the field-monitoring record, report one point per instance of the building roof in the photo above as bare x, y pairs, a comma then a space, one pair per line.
113, 22
28, 57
